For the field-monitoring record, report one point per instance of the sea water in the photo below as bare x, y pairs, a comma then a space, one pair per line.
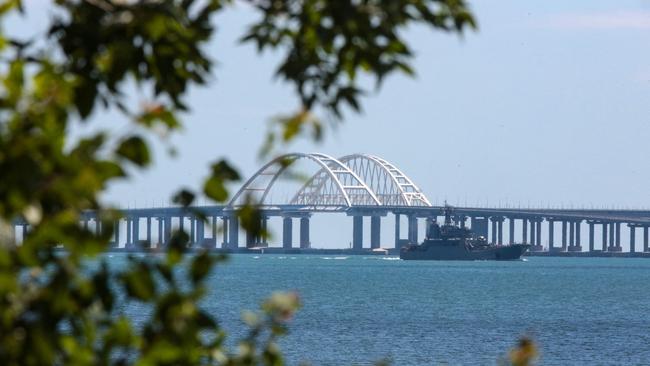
361, 309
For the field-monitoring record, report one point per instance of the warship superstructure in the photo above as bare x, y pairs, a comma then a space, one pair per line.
453, 242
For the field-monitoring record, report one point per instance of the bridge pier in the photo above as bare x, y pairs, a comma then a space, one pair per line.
129, 233
604, 244
479, 225
357, 232
632, 238
524, 231
615, 237
564, 241
398, 244
612, 232
494, 230
551, 234
375, 231
287, 232
536, 234
304, 233
159, 221
575, 237
591, 236
500, 231
148, 232
413, 229
233, 232
224, 234
215, 230
192, 231
645, 240
200, 232
511, 230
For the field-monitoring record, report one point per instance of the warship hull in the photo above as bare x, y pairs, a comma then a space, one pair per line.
461, 252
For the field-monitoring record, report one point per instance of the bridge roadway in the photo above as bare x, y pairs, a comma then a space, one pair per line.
152, 226
366, 186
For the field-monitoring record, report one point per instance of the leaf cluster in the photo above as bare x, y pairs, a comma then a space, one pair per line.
59, 302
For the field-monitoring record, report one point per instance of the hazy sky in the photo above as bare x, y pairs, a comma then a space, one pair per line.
548, 103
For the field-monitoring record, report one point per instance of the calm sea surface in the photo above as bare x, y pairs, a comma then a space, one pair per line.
591, 311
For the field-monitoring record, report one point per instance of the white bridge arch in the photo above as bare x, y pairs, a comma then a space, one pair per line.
391, 185
334, 185
353, 180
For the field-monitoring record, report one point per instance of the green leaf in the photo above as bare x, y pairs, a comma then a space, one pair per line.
135, 150
184, 197
201, 267
215, 186
138, 282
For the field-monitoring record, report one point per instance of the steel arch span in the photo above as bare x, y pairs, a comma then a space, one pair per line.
391, 186
334, 185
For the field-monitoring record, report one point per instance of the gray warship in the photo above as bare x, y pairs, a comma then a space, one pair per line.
452, 242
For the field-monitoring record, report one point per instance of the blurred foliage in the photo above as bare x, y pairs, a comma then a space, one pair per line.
524, 354
57, 309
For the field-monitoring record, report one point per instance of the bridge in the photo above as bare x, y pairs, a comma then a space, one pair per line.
365, 186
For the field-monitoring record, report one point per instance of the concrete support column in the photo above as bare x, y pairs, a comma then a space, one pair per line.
181, 223
533, 228
397, 233
116, 226
215, 221
500, 231
564, 236
200, 231
539, 234
167, 229
135, 233
357, 232
618, 235
193, 230
161, 224
524, 228
591, 236
645, 239
304, 233
263, 238
576, 247
129, 235
375, 231
494, 230
551, 234
287, 232
225, 242
149, 240
572, 233
233, 232
511, 233
632, 238
413, 229
612, 233
250, 239
604, 237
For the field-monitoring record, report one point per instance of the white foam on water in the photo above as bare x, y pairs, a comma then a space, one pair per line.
340, 257
390, 258
256, 257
